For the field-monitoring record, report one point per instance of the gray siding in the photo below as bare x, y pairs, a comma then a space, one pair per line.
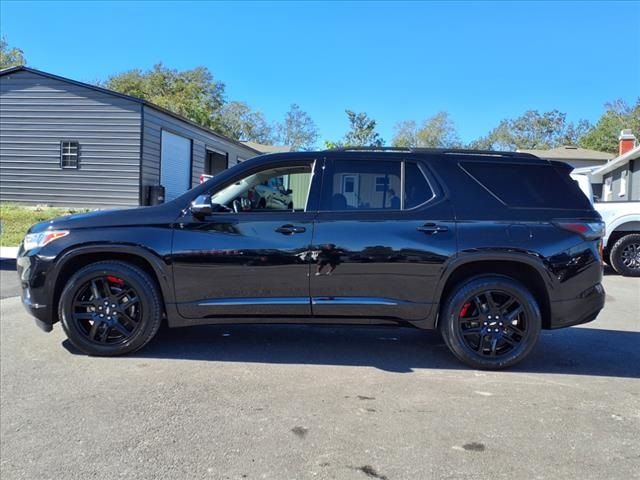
635, 179
155, 121
616, 177
36, 113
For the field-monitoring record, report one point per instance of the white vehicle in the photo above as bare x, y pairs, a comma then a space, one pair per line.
621, 243
271, 195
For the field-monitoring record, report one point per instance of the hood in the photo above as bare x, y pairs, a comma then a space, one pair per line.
161, 214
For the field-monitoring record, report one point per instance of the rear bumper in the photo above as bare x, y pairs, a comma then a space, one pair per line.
579, 310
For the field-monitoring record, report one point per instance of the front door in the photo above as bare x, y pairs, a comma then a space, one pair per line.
382, 254
248, 258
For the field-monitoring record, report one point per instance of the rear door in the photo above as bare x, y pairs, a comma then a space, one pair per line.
382, 235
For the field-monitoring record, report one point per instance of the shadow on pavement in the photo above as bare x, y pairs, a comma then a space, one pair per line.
573, 351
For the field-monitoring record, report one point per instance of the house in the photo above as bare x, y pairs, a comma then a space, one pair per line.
68, 143
268, 148
575, 156
619, 179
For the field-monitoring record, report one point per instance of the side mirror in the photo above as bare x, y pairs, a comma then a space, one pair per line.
201, 206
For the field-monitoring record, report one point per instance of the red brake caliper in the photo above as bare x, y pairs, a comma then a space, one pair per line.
115, 280
465, 309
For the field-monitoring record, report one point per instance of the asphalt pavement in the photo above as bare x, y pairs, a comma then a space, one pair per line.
303, 402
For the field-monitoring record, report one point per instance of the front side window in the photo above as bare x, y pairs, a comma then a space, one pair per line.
276, 189
69, 154
375, 185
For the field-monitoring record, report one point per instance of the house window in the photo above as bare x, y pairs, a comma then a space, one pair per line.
623, 184
607, 189
69, 154
382, 184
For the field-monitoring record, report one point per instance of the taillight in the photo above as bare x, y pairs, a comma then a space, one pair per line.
590, 230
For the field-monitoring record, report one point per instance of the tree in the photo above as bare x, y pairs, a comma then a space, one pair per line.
436, 132
193, 94
533, 130
10, 57
619, 115
238, 121
362, 132
298, 130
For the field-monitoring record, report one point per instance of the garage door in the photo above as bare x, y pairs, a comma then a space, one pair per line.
175, 165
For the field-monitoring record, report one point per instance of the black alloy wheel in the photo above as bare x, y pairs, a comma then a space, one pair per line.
490, 322
110, 308
107, 310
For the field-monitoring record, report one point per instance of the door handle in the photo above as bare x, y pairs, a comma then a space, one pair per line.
432, 228
290, 229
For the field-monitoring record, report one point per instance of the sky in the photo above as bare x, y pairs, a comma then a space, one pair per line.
479, 61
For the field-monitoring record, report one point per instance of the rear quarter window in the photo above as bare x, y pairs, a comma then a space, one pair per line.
528, 186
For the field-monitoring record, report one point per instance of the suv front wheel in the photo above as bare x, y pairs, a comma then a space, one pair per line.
110, 308
490, 322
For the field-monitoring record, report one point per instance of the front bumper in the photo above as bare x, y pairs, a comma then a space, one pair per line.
36, 294
579, 310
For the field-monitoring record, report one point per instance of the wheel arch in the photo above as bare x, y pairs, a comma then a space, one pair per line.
77, 258
517, 267
626, 225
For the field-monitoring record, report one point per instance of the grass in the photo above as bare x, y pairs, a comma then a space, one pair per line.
15, 220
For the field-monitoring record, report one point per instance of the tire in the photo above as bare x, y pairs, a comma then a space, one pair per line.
123, 329
505, 334
625, 255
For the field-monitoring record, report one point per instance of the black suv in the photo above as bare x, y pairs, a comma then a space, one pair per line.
486, 247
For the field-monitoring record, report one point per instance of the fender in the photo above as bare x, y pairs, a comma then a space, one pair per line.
527, 257
159, 266
630, 223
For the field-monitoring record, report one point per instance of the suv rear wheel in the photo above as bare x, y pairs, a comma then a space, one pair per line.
110, 308
490, 322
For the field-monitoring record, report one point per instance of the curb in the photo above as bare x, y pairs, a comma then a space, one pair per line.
8, 252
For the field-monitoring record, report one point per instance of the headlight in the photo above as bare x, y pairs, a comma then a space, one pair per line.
37, 240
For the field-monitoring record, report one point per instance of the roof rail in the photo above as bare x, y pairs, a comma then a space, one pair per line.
443, 151
369, 149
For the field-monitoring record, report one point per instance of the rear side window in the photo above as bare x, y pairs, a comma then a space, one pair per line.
362, 185
375, 185
528, 186
416, 187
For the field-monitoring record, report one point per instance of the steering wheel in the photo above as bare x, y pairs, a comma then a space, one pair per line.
236, 206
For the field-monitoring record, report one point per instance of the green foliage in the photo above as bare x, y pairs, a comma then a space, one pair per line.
298, 130
10, 56
533, 130
194, 94
238, 121
603, 136
15, 220
437, 131
362, 132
